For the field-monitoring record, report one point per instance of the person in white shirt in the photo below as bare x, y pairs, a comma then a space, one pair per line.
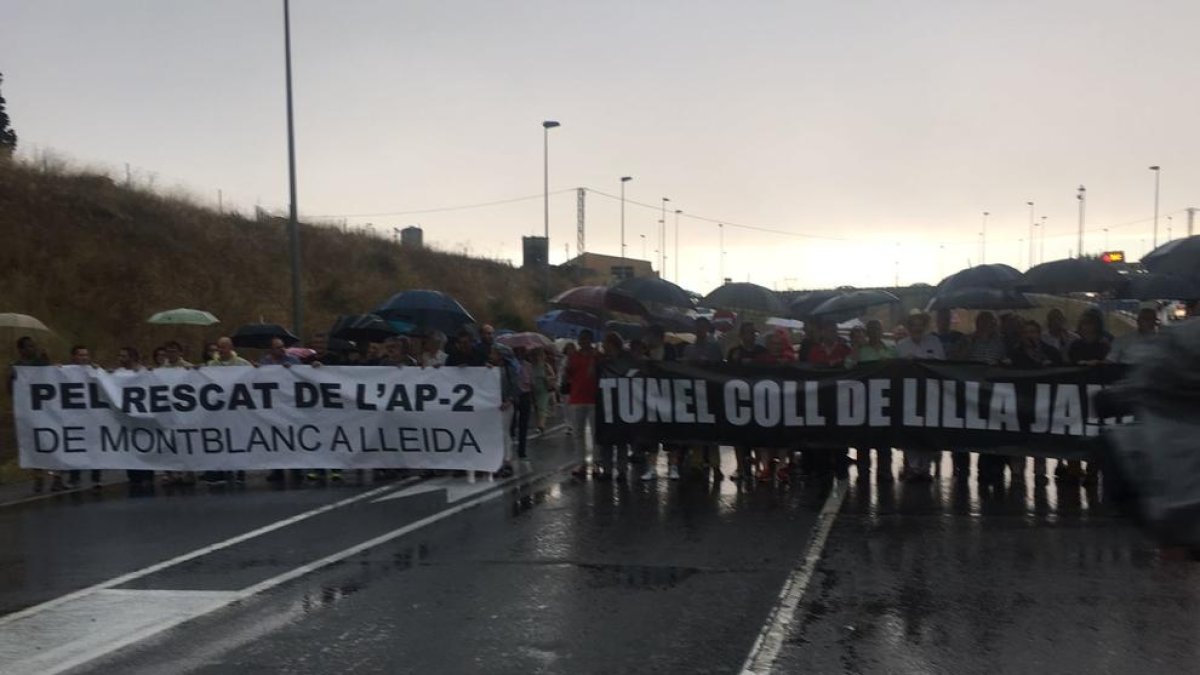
1128, 347
920, 344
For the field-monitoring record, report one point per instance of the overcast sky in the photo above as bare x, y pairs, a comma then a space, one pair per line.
869, 131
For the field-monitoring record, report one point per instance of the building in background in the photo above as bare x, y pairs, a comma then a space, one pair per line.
412, 237
535, 252
602, 269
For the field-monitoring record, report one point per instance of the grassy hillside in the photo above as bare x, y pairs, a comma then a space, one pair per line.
93, 259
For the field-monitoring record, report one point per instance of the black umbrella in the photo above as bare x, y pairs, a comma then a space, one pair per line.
656, 291
1151, 286
362, 328
1178, 256
980, 298
426, 311
746, 297
1073, 275
854, 302
993, 275
627, 331
259, 336
598, 299
675, 321
803, 306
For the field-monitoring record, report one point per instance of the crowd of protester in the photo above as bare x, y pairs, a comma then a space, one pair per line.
535, 382
1005, 340
529, 379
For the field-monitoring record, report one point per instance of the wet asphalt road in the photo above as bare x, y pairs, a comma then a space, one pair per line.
560, 575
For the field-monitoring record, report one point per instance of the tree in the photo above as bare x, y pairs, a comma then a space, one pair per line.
8, 137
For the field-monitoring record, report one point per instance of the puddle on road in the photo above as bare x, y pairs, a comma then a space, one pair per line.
651, 577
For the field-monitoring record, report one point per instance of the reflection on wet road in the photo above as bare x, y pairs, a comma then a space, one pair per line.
551, 574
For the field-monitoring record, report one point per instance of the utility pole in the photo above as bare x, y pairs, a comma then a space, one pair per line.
662, 239
721, 248
580, 219
1081, 195
983, 239
293, 220
677, 212
1031, 227
1191, 219
1157, 173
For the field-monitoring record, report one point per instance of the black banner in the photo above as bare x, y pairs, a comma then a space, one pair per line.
936, 405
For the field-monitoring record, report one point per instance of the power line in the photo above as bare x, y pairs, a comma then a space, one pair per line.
728, 223
441, 209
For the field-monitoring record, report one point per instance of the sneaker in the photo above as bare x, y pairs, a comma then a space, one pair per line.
335, 475
650, 474
314, 475
673, 473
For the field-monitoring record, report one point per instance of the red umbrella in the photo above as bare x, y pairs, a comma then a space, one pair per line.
525, 340
599, 298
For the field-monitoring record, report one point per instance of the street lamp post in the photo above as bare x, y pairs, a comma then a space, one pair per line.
547, 125
721, 249
1031, 226
983, 239
1157, 173
677, 212
624, 180
1042, 244
1081, 195
293, 219
662, 238
643, 246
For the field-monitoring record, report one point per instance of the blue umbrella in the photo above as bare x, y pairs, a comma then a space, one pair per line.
425, 310
568, 323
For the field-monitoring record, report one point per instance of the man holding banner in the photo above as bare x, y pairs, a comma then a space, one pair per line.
920, 344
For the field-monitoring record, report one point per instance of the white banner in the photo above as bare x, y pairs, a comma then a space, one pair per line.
223, 419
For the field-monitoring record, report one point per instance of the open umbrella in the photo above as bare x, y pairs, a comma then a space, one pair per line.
992, 275
568, 323
184, 317
21, 322
656, 291
425, 310
362, 328
599, 299
1073, 275
802, 307
746, 297
259, 336
528, 340
1178, 256
854, 302
980, 298
627, 331
303, 353
672, 320
1151, 286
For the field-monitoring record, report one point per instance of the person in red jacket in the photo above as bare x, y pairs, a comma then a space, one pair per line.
583, 378
830, 350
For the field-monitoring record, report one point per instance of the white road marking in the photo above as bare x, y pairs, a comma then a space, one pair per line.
80, 631
456, 489
55, 650
232, 541
769, 643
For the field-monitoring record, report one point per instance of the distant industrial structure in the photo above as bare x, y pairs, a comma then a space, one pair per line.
602, 268
412, 237
535, 252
